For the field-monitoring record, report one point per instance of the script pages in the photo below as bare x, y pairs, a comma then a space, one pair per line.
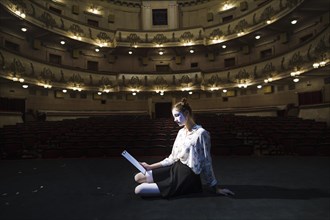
133, 161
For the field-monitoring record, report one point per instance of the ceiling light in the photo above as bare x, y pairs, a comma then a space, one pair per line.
294, 21
295, 80
25, 86
20, 13
191, 51
24, 29
316, 65
322, 63
97, 49
77, 37
259, 86
224, 90
224, 46
47, 86
161, 52
257, 37
130, 52
240, 33
227, 6
64, 91
62, 42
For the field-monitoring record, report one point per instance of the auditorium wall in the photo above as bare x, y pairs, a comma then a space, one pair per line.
45, 99
250, 101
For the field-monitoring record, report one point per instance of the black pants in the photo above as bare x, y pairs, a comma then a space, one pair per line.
176, 180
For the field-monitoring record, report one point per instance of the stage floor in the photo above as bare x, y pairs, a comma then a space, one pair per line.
267, 187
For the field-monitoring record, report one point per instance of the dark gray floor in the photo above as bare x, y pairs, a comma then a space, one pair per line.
276, 187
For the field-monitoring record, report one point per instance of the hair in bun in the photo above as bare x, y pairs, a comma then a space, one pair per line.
183, 106
184, 101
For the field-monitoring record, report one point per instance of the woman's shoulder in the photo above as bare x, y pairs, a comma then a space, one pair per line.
202, 130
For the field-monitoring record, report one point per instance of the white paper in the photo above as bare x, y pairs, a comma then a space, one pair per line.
133, 161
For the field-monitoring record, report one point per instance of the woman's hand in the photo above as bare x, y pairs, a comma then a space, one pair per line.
222, 191
146, 166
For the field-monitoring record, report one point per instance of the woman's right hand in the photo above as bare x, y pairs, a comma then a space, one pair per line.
146, 166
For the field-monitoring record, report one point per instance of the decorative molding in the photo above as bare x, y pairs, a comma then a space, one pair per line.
268, 70
134, 39
296, 60
17, 68
197, 36
216, 34
48, 20
160, 39
47, 76
243, 77
76, 30
187, 37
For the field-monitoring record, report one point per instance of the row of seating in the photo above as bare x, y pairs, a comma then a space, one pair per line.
108, 136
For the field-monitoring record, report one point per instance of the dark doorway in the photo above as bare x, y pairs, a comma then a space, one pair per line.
163, 110
12, 104
310, 98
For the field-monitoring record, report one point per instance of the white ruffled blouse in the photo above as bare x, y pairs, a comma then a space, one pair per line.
193, 149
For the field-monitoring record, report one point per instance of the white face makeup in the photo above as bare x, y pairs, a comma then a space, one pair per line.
179, 118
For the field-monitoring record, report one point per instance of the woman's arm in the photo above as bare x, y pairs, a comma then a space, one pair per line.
151, 166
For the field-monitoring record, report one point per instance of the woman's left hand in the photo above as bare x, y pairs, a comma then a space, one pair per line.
224, 192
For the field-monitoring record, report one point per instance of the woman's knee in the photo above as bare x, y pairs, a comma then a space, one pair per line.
138, 190
140, 178
147, 189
